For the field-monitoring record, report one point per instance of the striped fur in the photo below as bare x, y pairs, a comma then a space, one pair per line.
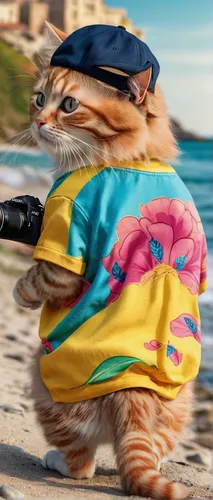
46, 282
142, 427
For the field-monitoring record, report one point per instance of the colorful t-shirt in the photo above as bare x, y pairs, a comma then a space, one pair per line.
135, 235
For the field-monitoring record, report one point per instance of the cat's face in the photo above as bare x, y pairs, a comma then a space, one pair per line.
75, 116
81, 121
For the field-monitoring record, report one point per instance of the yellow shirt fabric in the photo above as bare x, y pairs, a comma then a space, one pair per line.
134, 233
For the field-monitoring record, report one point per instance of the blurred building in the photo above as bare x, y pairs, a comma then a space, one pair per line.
69, 15
33, 13
9, 14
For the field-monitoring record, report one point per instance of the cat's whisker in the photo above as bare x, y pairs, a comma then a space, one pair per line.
34, 64
21, 141
83, 152
75, 152
61, 154
87, 144
85, 166
79, 152
27, 143
22, 76
24, 135
40, 59
22, 87
73, 141
27, 73
56, 146
95, 148
65, 152
68, 155
105, 161
93, 165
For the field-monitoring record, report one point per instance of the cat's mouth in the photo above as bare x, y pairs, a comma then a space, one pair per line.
44, 135
66, 146
53, 142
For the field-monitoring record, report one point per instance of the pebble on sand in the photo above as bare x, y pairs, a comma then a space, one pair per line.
10, 408
8, 492
196, 458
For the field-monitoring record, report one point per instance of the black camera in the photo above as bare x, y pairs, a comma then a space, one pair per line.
21, 219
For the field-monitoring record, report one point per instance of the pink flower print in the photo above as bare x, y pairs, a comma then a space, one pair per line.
50, 346
203, 274
129, 259
153, 345
186, 326
169, 232
47, 346
203, 271
175, 356
171, 352
173, 227
197, 224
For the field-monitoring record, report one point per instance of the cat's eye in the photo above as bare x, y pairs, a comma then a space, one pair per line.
69, 104
40, 100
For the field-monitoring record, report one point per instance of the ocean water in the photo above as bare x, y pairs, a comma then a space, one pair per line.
195, 167
196, 170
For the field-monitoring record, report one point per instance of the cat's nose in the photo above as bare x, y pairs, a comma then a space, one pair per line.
40, 122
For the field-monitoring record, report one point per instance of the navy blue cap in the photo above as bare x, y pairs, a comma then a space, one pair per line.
91, 48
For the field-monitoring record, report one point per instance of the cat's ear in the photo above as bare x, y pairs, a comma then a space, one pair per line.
53, 37
139, 84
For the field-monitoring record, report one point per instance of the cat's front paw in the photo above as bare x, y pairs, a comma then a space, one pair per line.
22, 298
53, 460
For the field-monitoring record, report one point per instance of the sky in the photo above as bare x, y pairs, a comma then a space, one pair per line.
179, 33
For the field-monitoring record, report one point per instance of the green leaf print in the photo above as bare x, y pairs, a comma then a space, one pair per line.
112, 367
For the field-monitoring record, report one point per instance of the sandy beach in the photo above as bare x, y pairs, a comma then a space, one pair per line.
22, 443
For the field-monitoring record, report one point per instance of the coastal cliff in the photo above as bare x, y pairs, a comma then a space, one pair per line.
182, 134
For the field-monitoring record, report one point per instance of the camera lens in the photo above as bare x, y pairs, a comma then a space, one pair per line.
11, 219
21, 219
1, 218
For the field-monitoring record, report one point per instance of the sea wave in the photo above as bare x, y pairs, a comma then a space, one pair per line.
207, 297
24, 175
13, 148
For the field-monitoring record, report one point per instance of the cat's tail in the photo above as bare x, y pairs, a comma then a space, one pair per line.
134, 419
139, 474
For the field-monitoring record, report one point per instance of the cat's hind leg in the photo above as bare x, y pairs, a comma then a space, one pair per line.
71, 429
134, 415
170, 423
77, 461
74, 455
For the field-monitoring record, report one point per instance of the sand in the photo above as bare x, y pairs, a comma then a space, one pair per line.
22, 443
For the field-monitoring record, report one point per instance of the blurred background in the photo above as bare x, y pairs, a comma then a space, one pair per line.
179, 32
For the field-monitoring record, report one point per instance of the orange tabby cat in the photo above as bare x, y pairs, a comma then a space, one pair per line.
106, 129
